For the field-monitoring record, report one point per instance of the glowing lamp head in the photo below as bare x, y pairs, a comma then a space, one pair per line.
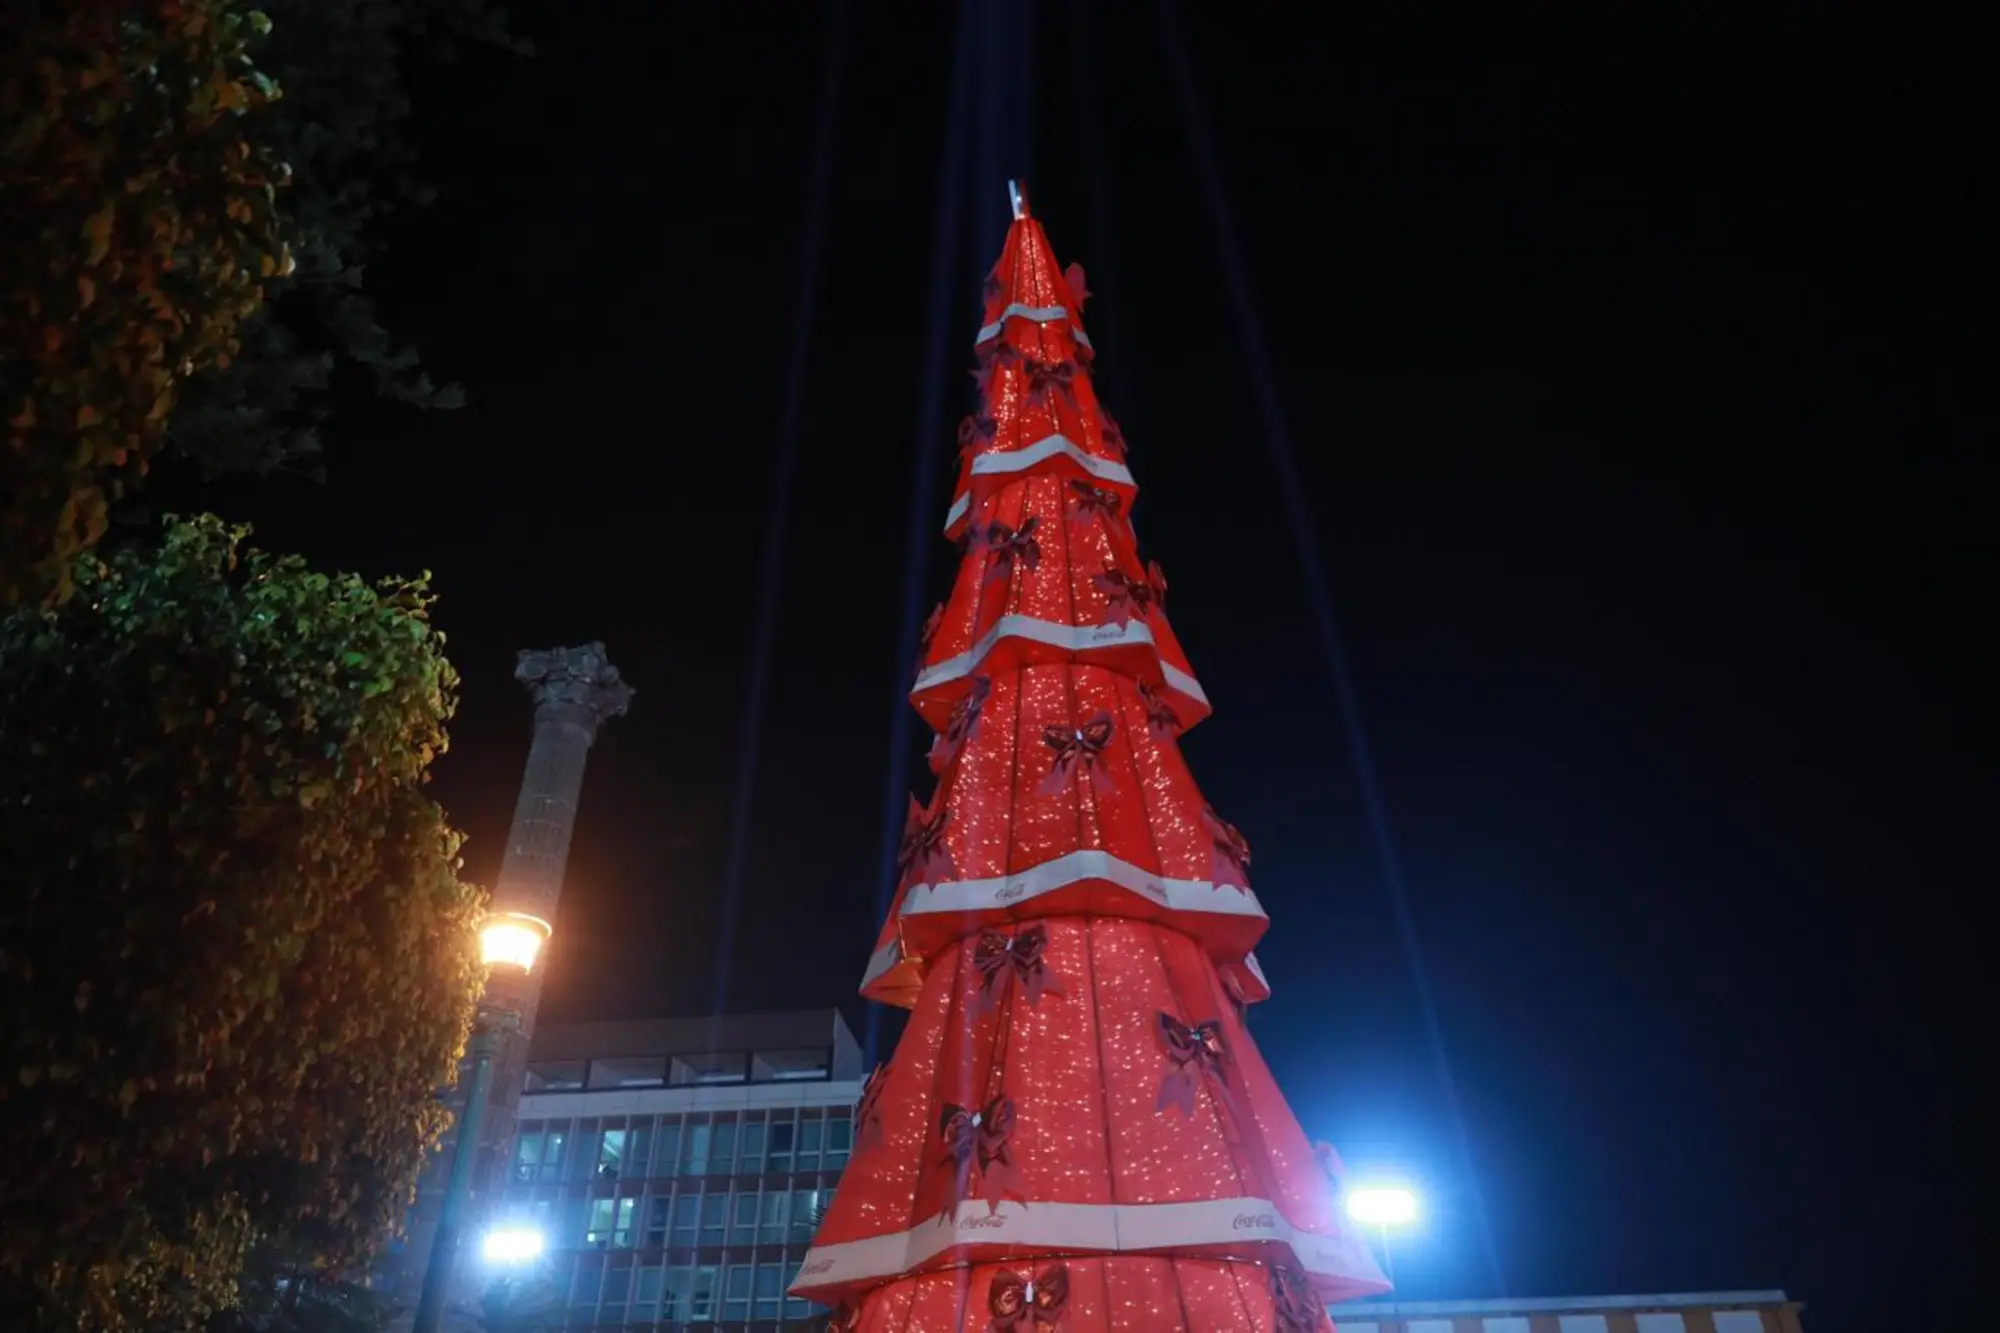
511, 941
1382, 1206
511, 1245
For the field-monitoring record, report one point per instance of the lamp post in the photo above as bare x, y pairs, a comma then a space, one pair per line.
508, 945
1382, 1207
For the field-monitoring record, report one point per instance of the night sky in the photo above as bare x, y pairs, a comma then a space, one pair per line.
1638, 378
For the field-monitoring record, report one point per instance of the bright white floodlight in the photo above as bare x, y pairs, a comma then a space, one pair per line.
512, 1245
1382, 1206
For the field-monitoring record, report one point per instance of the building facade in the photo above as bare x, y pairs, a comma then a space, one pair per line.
676, 1169
1699, 1312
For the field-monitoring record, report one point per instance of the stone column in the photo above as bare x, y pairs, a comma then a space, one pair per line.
576, 690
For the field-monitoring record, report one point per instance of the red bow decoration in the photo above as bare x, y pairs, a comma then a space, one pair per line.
1036, 1302
975, 432
1078, 291
1293, 1301
1046, 377
1108, 432
1156, 579
1191, 1052
1229, 853
1009, 545
1124, 596
990, 357
1161, 719
923, 858
978, 1140
964, 717
1082, 745
1100, 500
930, 629
868, 1111
1000, 960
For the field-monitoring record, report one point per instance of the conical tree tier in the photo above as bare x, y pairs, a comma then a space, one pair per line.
1076, 1128
1063, 793
1079, 1085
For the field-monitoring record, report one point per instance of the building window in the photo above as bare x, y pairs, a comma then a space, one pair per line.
691, 1069
695, 1143
687, 1211
528, 1154
722, 1146
743, 1225
676, 1295
736, 1293
670, 1145
791, 1066
770, 1290
839, 1140
617, 1287
554, 1076
641, 1071
656, 1221
751, 1143
812, 1132
805, 1214
783, 1133
611, 1223
583, 1287
583, 1152
639, 1153
646, 1296
701, 1296
714, 1218
611, 1146
772, 1215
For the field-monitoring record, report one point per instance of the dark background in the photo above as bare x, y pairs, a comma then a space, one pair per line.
1638, 373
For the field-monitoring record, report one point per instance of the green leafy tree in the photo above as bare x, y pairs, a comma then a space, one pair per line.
236, 957
138, 228
159, 291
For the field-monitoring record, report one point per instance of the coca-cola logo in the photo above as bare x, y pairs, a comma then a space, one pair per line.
1152, 888
1010, 893
1255, 1222
990, 1222
1103, 632
816, 1267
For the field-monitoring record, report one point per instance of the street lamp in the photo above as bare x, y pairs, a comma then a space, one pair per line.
508, 945
512, 1245
1383, 1207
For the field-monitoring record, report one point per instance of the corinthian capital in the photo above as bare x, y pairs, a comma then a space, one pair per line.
570, 682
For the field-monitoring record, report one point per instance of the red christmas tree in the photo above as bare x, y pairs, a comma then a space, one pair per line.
1076, 1128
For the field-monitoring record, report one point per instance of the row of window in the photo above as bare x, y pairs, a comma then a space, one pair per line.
723, 1143
679, 1071
698, 1294
748, 1215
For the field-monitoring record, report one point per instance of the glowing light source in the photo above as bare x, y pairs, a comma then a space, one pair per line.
1382, 1206
511, 1245
512, 940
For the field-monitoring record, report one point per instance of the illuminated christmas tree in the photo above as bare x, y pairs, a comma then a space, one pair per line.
1076, 1128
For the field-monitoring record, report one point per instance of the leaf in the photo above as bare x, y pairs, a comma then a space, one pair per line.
97, 232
